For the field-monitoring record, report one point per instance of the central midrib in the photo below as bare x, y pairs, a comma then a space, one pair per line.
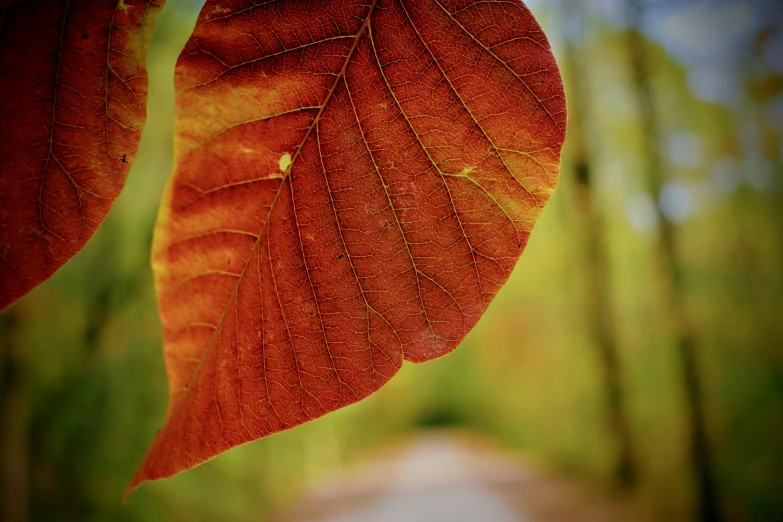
286, 174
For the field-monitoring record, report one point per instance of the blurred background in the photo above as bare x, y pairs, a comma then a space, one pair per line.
631, 369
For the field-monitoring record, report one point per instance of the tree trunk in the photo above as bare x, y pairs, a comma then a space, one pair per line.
598, 305
674, 292
15, 451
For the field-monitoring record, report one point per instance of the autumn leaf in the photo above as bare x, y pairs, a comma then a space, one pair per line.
73, 91
354, 182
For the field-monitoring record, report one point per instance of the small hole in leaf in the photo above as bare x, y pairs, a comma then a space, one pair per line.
285, 162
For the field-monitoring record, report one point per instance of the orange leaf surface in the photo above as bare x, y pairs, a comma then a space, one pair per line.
354, 181
73, 91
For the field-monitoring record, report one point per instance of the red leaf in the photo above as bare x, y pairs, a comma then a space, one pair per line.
73, 90
354, 182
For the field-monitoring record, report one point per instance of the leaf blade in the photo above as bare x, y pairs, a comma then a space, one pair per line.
354, 203
73, 90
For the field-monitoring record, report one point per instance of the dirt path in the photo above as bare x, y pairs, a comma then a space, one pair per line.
455, 478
